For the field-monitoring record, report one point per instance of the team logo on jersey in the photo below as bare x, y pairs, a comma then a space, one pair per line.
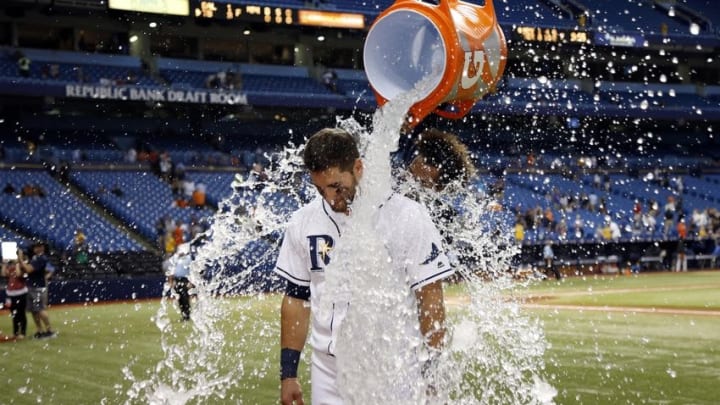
320, 247
434, 253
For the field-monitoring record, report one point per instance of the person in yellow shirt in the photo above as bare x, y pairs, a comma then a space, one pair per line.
170, 244
519, 232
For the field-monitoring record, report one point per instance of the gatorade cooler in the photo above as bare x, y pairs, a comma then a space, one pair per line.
458, 48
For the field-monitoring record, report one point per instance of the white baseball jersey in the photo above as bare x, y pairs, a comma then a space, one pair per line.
315, 231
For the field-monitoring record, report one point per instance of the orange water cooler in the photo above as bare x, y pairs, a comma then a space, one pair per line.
456, 49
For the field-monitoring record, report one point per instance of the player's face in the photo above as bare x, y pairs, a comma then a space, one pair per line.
338, 187
426, 174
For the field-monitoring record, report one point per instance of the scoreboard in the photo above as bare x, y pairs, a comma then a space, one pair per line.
551, 35
274, 15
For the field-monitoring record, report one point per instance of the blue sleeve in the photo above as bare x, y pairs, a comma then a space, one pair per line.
297, 291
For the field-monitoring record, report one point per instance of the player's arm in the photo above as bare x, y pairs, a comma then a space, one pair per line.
294, 324
25, 267
50, 271
431, 314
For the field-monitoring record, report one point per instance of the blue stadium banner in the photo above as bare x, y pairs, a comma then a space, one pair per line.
155, 94
625, 39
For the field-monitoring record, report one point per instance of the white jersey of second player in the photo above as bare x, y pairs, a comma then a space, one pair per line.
315, 231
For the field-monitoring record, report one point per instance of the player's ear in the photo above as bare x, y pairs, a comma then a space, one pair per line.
358, 168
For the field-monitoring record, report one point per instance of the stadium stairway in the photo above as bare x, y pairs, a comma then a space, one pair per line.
105, 213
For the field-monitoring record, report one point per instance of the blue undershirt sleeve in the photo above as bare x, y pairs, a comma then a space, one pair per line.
297, 291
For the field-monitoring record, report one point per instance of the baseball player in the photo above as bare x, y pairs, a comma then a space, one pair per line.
315, 231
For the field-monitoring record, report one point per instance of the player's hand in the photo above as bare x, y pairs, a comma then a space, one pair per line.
291, 392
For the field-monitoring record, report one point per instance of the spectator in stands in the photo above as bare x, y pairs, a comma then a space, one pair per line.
592, 201
615, 232
199, 195
178, 278
117, 191
50, 71
548, 219
602, 206
180, 202
681, 229
131, 156
23, 64
603, 232
578, 229
165, 166
213, 81
234, 80
549, 260
38, 270
649, 223
79, 74
668, 215
519, 231
32, 190
196, 228
699, 220
606, 182
188, 188
637, 212
679, 185
16, 293
9, 189
329, 79
224, 80
170, 244
561, 229
179, 233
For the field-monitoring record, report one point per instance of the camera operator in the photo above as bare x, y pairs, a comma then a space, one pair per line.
38, 270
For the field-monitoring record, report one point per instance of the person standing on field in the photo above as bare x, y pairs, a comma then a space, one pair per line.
38, 270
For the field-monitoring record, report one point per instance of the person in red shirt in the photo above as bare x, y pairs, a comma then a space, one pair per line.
16, 293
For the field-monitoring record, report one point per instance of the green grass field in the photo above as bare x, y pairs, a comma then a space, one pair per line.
598, 355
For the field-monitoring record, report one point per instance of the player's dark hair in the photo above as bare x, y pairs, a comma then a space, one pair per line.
330, 147
445, 152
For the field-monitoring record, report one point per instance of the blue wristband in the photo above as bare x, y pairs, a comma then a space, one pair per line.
289, 360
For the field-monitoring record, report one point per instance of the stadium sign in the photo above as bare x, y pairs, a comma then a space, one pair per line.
626, 40
550, 35
131, 93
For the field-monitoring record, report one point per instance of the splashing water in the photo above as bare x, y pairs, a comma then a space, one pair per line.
494, 352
